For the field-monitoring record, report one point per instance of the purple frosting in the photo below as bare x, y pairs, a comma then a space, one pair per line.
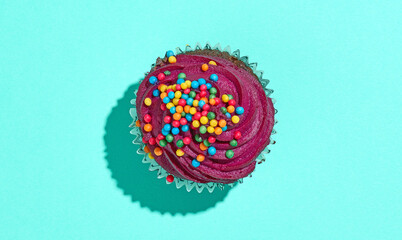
255, 124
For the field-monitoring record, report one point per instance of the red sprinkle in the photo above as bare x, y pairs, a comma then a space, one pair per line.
203, 93
163, 107
167, 119
183, 121
169, 90
147, 118
144, 140
232, 102
182, 102
170, 178
237, 135
178, 87
161, 76
197, 97
204, 113
211, 139
206, 107
203, 87
160, 136
197, 116
217, 101
187, 90
152, 141
176, 123
187, 140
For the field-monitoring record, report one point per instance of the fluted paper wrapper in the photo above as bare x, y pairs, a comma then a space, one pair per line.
179, 182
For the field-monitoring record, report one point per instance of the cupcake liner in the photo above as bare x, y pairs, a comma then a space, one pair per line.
190, 185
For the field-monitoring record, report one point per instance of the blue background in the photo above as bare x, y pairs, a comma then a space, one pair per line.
335, 172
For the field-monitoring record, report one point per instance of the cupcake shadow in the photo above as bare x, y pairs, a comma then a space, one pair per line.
133, 177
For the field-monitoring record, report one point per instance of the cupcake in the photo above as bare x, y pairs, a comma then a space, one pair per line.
203, 117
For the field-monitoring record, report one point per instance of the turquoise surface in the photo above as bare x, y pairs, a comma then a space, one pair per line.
67, 70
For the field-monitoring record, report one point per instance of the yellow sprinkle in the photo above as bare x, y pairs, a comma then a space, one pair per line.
235, 119
193, 110
204, 120
179, 152
169, 105
175, 101
196, 123
177, 94
174, 87
148, 101
213, 123
210, 129
172, 59
163, 88
225, 98
195, 103
212, 63
150, 156
188, 83
183, 85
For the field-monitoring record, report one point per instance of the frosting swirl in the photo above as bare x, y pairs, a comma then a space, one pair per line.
255, 124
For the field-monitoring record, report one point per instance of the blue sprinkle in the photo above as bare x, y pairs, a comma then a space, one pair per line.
239, 110
189, 117
224, 128
228, 115
167, 127
153, 80
195, 163
175, 131
185, 128
180, 81
166, 100
190, 101
201, 103
169, 53
195, 84
171, 95
184, 96
172, 110
214, 77
156, 93
201, 81
208, 85
211, 151
164, 132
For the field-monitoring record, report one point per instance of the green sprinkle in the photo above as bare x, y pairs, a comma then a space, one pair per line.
192, 94
229, 153
169, 137
224, 110
179, 143
183, 114
167, 73
162, 142
181, 75
206, 143
230, 97
203, 129
213, 90
211, 115
198, 138
233, 143
212, 96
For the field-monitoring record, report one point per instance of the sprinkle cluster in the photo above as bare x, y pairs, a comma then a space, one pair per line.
189, 105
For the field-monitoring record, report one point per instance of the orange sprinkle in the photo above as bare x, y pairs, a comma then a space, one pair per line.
187, 108
176, 116
212, 101
204, 67
146, 149
138, 123
158, 151
200, 157
179, 109
218, 131
204, 99
203, 147
230, 109
222, 123
148, 127
163, 95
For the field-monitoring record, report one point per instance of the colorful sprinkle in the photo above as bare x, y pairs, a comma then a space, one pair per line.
237, 135
179, 143
187, 140
148, 101
235, 119
169, 53
169, 178
214, 77
153, 80
195, 163
212, 63
158, 151
211, 151
148, 127
200, 157
233, 143
172, 59
225, 98
179, 152
204, 67
239, 110
229, 153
